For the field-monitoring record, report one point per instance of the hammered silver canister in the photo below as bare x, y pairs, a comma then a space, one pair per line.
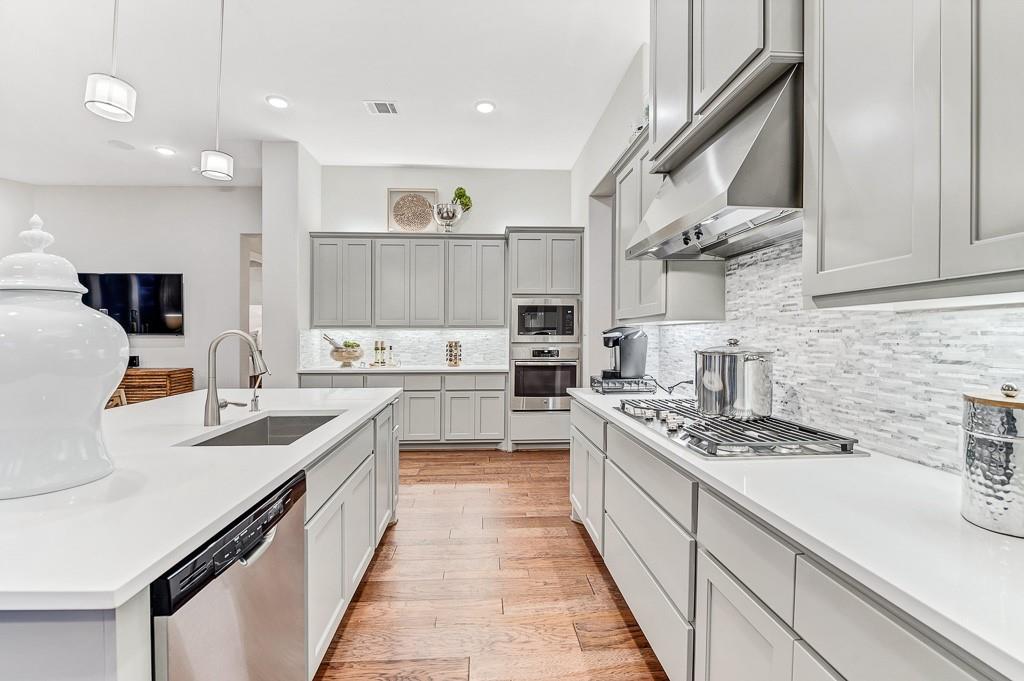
993, 447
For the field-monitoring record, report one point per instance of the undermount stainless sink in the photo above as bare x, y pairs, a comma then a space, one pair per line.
273, 429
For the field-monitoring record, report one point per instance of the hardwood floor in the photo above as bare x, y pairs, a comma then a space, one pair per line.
485, 578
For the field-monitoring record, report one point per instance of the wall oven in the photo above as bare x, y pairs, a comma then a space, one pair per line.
545, 320
542, 376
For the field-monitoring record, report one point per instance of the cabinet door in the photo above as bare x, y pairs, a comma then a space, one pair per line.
578, 473
356, 282
490, 415
463, 289
807, 666
326, 268
360, 525
459, 415
563, 263
529, 263
982, 138
382, 463
421, 412
396, 458
627, 219
652, 283
727, 35
670, 70
490, 286
326, 594
391, 282
737, 638
871, 164
426, 282
594, 518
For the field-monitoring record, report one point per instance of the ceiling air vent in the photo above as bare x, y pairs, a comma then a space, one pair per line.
381, 108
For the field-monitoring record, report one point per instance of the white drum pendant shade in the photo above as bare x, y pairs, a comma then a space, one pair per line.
59, 363
110, 97
216, 165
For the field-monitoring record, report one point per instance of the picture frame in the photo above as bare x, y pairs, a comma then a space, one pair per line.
410, 220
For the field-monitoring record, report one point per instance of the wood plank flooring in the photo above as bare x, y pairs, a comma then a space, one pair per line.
485, 578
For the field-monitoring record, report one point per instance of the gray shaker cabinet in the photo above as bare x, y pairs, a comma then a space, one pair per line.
529, 262
421, 415
426, 282
727, 35
871, 163
640, 284
564, 254
982, 138
670, 70
391, 275
476, 283
490, 415
459, 415
342, 282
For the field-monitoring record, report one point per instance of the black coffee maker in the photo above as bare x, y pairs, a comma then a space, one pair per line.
628, 346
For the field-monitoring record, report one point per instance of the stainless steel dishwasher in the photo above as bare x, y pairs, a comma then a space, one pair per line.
234, 610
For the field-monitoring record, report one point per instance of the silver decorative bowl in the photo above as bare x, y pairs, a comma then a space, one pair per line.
447, 214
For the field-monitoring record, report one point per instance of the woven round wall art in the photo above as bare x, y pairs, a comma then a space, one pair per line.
412, 213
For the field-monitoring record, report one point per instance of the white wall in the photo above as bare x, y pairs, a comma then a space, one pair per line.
16, 207
609, 139
192, 230
355, 197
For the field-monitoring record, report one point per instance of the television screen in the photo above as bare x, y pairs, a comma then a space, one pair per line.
141, 303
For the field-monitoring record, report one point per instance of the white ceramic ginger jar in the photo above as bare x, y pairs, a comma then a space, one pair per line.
59, 363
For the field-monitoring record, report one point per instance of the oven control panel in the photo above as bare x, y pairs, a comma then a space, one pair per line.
544, 353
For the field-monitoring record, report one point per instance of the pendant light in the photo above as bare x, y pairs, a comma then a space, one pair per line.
106, 95
214, 163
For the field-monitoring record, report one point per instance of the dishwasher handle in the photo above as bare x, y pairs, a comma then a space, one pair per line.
261, 548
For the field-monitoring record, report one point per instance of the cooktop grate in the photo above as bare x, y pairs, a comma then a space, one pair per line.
723, 437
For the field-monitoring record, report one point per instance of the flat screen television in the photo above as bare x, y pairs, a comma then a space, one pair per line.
144, 304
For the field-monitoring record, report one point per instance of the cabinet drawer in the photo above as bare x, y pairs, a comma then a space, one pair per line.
668, 552
763, 563
314, 381
421, 382
859, 640
670, 636
675, 492
490, 382
385, 381
460, 382
347, 381
538, 426
590, 424
330, 472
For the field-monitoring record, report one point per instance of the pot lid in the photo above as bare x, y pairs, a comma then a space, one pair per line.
733, 347
1007, 396
36, 270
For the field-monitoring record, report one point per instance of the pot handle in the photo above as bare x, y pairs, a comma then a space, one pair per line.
755, 358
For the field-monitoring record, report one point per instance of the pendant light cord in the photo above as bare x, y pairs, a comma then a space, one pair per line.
220, 73
113, 44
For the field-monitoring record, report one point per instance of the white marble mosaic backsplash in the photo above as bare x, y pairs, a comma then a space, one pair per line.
413, 347
891, 379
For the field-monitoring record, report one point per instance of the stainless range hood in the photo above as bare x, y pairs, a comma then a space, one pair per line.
740, 193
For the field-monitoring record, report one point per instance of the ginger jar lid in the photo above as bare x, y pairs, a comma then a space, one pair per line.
36, 270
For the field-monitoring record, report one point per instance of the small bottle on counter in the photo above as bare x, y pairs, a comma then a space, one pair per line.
390, 359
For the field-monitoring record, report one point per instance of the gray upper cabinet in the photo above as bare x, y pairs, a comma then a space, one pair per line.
529, 262
391, 282
546, 262
342, 281
640, 284
871, 164
727, 35
426, 282
476, 283
670, 70
710, 58
563, 266
982, 138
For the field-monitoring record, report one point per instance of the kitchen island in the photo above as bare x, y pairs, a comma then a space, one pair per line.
855, 569
77, 563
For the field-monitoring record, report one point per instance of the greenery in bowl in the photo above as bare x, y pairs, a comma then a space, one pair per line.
462, 198
350, 344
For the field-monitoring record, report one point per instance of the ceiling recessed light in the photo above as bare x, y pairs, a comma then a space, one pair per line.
277, 101
164, 151
484, 106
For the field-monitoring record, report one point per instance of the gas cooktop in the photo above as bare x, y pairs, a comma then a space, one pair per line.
720, 438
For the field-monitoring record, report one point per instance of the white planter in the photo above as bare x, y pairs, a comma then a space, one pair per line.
59, 363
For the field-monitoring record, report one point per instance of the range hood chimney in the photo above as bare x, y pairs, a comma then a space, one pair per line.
741, 192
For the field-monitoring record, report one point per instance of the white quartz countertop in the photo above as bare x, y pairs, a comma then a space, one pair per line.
97, 545
418, 369
891, 525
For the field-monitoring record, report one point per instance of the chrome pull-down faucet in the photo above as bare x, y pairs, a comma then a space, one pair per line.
213, 402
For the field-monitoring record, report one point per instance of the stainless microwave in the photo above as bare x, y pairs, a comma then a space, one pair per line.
545, 320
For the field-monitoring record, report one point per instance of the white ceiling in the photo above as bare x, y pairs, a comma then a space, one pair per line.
550, 65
